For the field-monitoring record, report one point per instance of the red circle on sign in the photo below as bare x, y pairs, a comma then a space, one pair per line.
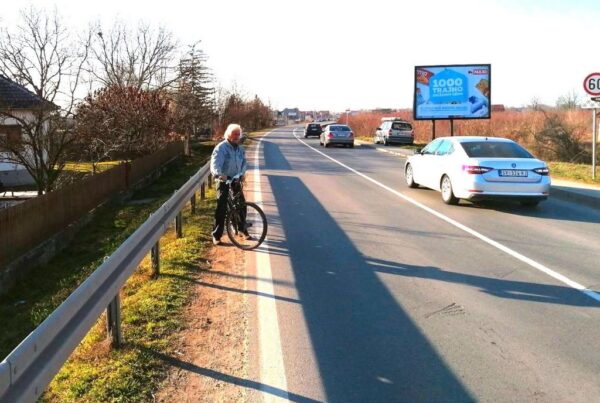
596, 91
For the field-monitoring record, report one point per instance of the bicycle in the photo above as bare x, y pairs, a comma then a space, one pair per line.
246, 223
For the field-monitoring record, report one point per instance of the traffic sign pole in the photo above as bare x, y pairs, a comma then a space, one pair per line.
594, 131
591, 85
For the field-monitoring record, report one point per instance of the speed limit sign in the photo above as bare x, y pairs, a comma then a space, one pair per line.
591, 84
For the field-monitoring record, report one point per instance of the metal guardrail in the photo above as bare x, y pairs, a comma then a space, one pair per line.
30, 367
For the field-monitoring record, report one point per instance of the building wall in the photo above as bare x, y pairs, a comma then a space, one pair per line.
12, 174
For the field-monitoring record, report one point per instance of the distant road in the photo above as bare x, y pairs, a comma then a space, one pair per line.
382, 297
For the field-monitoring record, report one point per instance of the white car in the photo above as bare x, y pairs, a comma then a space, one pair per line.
479, 168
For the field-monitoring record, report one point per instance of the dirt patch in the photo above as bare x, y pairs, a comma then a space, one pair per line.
213, 355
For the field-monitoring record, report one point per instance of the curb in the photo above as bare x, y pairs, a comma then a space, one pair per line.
566, 194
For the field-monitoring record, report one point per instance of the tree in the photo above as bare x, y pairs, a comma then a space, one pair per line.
557, 140
127, 121
570, 100
194, 96
142, 58
41, 55
233, 107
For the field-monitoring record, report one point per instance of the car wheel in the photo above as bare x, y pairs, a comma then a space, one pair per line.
408, 175
530, 203
447, 192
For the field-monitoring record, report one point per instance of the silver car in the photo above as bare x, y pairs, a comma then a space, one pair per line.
479, 168
394, 130
337, 134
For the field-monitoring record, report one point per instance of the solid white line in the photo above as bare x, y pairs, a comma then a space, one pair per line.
563, 279
272, 369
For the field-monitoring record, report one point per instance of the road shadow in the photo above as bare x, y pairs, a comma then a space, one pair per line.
502, 288
366, 346
234, 380
275, 160
229, 289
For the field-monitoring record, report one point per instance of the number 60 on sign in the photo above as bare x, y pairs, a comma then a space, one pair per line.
591, 84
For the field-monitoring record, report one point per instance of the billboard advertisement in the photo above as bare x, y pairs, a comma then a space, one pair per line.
452, 92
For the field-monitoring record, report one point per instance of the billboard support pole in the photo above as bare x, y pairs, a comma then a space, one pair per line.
452, 127
433, 130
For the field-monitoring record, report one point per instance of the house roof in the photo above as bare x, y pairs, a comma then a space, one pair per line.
15, 96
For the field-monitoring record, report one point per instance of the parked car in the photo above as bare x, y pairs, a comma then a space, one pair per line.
394, 130
312, 129
479, 168
337, 134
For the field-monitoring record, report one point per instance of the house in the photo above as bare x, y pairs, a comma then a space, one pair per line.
16, 102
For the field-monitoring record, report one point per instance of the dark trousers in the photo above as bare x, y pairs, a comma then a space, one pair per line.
221, 210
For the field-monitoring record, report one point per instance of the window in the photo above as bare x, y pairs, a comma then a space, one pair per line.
10, 134
339, 128
495, 149
402, 126
431, 147
444, 148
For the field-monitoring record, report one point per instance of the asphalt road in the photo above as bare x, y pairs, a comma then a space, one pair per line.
385, 294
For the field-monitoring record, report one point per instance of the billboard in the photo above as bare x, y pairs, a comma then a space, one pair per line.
459, 91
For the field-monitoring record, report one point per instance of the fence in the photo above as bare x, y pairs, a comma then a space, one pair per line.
28, 369
27, 224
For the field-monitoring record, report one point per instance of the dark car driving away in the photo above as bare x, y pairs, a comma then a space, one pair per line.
312, 129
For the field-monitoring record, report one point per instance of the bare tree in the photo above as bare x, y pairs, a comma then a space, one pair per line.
570, 100
143, 58
42, 55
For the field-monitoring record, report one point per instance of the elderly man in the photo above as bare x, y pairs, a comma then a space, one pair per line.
228, 159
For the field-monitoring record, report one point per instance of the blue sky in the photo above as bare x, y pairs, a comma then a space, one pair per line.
337, 55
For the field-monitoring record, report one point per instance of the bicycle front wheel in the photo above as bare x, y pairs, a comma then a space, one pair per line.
246, 226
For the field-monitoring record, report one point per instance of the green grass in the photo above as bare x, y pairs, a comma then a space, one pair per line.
574, 172
151, 307
86, 167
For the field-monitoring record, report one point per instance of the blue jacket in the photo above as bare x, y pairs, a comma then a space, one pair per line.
228, 160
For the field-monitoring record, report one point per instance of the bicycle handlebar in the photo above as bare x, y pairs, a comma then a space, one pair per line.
233, 179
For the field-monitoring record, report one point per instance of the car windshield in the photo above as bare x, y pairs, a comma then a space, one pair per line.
401, 126
314, 126
494, 149
339, 128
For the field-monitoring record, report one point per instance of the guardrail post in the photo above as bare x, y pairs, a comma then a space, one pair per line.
203, 191
179, 225
193, 203
113, 322
155, 257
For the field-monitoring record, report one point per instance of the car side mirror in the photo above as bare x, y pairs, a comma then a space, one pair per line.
379, 128
418, 151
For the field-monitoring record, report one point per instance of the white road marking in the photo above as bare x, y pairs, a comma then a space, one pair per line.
272, 369
563, 279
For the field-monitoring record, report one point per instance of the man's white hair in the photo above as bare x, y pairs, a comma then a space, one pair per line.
230, 129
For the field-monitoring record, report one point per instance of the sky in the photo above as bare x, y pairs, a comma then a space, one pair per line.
337, 55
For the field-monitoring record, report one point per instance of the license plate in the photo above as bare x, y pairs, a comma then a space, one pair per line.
513, 172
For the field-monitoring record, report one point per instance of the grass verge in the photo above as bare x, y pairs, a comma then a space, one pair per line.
86, 167
574, 172
151, 307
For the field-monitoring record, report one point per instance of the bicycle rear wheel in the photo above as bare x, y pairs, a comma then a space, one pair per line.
250, 233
